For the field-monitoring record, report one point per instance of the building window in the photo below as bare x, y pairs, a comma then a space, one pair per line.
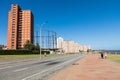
13, 16
13, 19
13, 37
13, 29
13, 25
12, 46
12, 34
14, 13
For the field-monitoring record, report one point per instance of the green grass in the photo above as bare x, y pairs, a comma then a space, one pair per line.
56, 54
114, 57
13, 57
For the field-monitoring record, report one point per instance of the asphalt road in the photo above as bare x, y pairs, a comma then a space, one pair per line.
35, 69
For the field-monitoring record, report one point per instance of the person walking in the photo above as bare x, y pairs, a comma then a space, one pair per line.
102, 55
105, 55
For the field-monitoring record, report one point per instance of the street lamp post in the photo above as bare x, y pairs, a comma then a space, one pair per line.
41, 36
40, 40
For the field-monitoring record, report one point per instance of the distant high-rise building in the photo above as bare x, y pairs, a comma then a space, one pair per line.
59, 42
20, 27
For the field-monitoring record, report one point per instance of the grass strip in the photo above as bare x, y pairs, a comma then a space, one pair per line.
13, 57
114, 57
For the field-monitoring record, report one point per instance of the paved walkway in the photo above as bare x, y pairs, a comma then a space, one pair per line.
90, 68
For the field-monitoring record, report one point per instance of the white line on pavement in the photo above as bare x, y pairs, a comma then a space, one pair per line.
20, 69
5, 67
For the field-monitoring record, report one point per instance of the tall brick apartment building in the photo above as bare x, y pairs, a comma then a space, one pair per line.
20, 27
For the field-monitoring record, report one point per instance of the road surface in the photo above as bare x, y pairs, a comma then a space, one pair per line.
35, 69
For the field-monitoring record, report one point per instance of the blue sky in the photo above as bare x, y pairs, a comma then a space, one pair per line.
89, 22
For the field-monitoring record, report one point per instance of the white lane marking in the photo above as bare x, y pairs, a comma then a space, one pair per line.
6, 67
50, 68
20, 69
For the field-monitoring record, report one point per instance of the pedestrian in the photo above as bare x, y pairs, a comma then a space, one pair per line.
45, 54
105, 55
102, 56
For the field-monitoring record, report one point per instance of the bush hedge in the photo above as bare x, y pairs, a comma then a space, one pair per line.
21, 52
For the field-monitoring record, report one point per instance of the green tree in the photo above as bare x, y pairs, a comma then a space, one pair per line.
37, 47
28, 45
89, 50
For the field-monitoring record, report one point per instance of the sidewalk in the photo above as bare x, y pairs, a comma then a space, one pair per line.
90, 68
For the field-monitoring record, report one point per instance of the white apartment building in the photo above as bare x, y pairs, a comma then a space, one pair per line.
69, 46
59, 42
